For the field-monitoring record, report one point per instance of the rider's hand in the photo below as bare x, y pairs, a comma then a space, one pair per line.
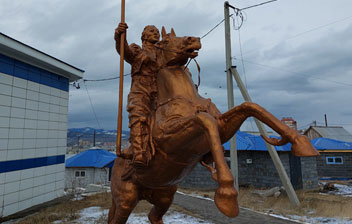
122, 28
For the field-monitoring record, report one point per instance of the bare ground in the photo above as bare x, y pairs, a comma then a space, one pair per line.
313, 203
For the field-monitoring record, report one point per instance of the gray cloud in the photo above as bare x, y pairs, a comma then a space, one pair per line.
289, 84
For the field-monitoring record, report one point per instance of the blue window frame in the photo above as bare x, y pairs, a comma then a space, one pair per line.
334, 160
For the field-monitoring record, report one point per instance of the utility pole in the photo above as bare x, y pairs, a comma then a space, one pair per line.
273, 154
230, 97
94, 138
232, 70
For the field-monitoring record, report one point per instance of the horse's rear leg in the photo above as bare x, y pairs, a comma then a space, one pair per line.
162, 200
226, 195
124, 201
231, 121
124, 194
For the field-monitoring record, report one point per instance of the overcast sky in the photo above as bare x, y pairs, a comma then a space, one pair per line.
297, 55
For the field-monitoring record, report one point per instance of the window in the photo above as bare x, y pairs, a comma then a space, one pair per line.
334, 160
80, 173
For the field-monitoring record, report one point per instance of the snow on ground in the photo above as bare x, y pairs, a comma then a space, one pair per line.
93, 214
326, 220
342, 189
170, 218
314, 220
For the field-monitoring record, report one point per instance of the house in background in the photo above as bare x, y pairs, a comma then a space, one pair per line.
33, 125
335, 158
92, 166
331, 132
255, 166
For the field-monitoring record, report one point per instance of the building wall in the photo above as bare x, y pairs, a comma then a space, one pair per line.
93, 176
309, 169
261, 172
33, 127
312, 134
257, 169
200, 178
334, 170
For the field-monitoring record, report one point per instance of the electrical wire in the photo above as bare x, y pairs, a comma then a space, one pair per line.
105, 79
91, 104
297, 73
263, 3
212, 29
302, 33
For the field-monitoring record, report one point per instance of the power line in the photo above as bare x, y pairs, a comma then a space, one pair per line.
302, 33
105, 79
297, 73
212, 29
91, 104
252, 6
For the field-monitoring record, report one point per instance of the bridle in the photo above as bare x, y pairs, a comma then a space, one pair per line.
178, 52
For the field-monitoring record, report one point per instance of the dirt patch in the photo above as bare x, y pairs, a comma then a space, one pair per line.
67, 211
313, 203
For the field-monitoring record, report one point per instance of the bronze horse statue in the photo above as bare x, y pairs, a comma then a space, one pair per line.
187, 129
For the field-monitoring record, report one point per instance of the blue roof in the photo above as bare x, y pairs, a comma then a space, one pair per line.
97, 158
330, 144
250, 142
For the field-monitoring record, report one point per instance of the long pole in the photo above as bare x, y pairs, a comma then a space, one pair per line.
122, 55
273, 154
230, 98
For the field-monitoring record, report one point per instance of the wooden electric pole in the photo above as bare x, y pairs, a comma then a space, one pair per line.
273, 154
230, 98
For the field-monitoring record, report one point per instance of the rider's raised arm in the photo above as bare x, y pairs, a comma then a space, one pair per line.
130, 50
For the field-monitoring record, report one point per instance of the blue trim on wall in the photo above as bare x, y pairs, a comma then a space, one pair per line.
26, 71
15, 165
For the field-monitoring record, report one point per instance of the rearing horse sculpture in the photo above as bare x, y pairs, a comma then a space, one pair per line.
187, 129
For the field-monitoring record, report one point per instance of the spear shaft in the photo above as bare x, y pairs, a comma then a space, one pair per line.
122, 54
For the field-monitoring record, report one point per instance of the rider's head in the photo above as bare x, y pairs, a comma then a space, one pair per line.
150, 34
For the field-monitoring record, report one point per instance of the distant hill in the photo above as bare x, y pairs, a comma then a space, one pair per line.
87, 134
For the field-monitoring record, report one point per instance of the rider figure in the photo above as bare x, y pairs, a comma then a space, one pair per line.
143, 90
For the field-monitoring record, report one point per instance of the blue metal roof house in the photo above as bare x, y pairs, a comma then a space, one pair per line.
335, 160
256, 168
95, 158
92, 166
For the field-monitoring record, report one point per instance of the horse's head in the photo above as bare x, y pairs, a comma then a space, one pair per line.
177, 50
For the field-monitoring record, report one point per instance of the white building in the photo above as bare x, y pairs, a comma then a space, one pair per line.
92, 166
33, 125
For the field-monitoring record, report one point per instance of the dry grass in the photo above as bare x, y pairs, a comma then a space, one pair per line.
313, 203
68, 210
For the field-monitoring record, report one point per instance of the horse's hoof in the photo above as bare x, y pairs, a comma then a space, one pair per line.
226, 201
302, 147
155, 220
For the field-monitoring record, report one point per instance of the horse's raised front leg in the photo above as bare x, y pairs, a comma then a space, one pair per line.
231, 121
226, 195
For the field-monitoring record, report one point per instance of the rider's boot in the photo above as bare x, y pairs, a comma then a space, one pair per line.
140, 158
